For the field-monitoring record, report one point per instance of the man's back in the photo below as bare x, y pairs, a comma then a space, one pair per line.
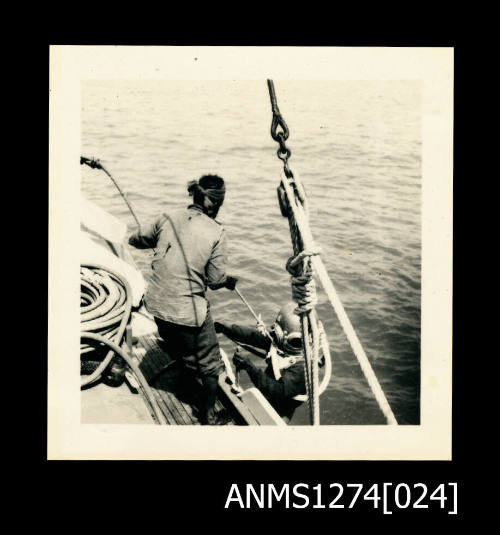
189, 255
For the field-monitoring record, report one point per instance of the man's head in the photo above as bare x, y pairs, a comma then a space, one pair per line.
208, 192
286, 330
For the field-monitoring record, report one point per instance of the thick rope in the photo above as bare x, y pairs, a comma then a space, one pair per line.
301, 233
303, 285
327, 362
304, 294
313, 326
108, 314
293, 205
307, 368
105, 309
114, 348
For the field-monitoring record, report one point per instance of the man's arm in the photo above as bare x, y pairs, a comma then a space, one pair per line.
216, 267
147, 239
244, 334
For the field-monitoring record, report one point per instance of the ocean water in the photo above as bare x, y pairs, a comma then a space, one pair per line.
357, 147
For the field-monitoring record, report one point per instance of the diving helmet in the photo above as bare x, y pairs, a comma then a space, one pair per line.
286, 330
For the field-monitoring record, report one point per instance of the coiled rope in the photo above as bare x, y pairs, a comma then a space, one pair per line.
105, 308
306, 261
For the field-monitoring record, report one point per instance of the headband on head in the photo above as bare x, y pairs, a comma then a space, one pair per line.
214, 194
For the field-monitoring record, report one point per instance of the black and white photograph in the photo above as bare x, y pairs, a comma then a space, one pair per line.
261, 239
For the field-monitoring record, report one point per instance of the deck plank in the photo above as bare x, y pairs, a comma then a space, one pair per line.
176, 406
160, 359
170, 416
168, 408
154, 361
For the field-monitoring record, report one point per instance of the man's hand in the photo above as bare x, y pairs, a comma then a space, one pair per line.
231, 283
241, 361
219, 327
261, 326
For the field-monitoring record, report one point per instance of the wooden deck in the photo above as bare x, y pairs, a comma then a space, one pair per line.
177, 393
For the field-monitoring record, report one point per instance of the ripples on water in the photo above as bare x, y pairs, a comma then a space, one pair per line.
357, 147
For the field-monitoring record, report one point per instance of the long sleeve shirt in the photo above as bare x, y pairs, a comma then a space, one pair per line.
190, 255
280, 393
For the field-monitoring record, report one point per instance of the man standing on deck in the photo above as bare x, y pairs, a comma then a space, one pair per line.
189, 255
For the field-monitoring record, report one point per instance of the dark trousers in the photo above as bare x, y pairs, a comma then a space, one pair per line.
197, 347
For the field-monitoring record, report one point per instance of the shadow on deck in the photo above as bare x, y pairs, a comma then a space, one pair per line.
177, 392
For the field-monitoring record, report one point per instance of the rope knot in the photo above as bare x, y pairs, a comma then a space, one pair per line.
295, 263
303, 285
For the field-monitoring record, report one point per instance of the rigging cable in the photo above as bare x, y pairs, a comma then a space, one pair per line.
307, 260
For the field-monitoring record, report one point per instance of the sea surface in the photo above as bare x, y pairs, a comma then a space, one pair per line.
357, 147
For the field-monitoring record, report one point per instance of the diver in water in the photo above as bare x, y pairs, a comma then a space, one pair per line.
189, 256
283, 378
